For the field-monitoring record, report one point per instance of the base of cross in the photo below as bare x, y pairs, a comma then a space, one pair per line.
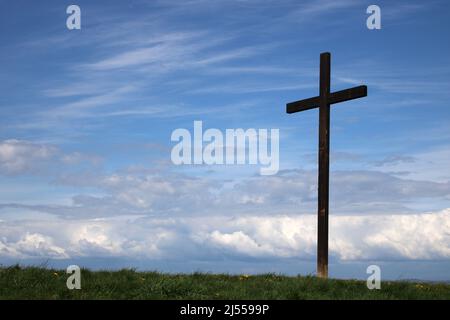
323, 101
322, 270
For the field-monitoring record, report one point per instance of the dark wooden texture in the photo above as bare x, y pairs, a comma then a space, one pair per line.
324, 166
335, 97
323, 102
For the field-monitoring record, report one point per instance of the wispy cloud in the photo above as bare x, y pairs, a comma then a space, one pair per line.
250, 88
175, 50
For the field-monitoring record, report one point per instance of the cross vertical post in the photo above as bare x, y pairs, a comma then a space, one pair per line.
323, 102
324, 167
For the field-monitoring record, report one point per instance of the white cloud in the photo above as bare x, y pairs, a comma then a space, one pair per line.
238, 242
31, 245
27, 157
391, 237
17, 156
386, 237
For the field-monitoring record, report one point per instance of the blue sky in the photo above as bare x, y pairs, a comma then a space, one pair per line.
86, 117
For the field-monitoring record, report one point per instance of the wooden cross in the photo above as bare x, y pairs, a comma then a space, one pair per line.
323, 102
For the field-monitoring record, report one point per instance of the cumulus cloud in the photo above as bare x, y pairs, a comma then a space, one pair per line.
78, 238
422, 236
31, 245
419, 236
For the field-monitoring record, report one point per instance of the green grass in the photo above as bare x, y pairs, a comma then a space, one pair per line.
39, 283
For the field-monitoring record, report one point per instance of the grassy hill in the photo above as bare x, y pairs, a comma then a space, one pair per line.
39, 283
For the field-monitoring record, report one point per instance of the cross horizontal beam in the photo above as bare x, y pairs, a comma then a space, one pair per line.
335, 97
